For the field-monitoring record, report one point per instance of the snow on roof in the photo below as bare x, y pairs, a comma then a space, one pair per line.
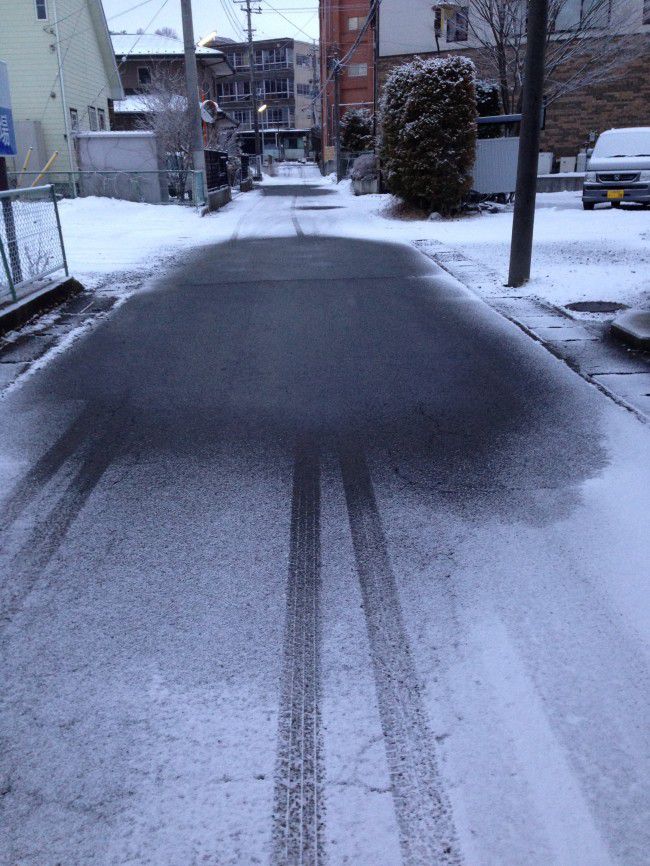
153, 45
137, 103
129, 105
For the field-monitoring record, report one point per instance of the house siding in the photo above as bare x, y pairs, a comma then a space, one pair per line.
28, 46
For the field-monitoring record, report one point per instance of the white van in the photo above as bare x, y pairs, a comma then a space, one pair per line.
619, 168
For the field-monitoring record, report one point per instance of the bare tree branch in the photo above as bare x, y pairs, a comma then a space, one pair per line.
583, 46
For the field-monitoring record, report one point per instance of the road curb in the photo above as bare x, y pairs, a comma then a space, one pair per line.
21, 311
582, 346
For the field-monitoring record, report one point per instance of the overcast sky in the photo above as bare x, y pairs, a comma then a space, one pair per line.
279, 17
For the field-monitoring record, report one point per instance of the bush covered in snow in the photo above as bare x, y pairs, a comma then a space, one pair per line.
428, 131
365, 167
356, 130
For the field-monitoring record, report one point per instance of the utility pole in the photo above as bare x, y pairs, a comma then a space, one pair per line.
375, 80
64, 102
523, 220
337, 118
253, 84
192, 88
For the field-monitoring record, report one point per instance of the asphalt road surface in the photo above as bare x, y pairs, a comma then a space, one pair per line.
311, 558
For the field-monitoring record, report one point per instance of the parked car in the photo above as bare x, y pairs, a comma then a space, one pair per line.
619, 168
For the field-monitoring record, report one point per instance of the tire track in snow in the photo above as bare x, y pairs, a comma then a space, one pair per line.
50, 529
427, 833
45, 468
298, 813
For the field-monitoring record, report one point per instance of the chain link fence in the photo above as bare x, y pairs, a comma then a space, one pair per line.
31, 243
171, 186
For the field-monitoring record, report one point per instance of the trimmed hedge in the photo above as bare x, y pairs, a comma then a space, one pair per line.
428, 131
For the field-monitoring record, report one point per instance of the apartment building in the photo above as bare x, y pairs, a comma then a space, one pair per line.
416, 27
340, 24
286, 82
142, 56
62, 73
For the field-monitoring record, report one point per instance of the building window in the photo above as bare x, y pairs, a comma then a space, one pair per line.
354, 23
41, 10
92, 118
357, 70
144, 76
277, 87
303, 60
271, 58
646, 11
101, 118
457, 26
277, 116
243, 118
227, 91
584, 14
74, 119
305, 89
237, 59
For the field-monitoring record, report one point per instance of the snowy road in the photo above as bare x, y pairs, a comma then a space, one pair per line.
312, 558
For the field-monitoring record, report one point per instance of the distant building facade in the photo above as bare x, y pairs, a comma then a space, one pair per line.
62, 74
286, 81
408, 28
340, 24
141, 56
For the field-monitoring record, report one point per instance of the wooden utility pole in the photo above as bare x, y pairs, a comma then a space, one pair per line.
523, 220
253, 83
192, 89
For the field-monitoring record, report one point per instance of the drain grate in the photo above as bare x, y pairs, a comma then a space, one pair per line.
318, 207
596, 306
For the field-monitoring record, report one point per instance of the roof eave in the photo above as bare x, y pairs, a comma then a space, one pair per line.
115, 90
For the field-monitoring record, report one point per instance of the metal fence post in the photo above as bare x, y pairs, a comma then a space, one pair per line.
58, 225
7, 269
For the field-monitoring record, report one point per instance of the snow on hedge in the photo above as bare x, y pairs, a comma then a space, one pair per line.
428, 131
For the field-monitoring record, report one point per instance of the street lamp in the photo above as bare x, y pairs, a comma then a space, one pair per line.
261, 111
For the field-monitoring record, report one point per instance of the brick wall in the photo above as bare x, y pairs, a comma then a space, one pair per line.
624, 100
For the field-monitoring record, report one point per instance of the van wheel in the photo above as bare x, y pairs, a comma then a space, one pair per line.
588, 205
616, 204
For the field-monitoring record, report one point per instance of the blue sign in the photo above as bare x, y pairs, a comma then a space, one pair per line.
7, 132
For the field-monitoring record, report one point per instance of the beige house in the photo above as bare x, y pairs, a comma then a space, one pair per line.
62, 74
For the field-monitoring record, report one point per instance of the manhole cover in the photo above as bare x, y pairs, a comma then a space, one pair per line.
596, 306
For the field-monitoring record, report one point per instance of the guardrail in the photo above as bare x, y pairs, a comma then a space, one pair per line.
31, 242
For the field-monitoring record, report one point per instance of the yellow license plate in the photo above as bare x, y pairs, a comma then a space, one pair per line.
615, 194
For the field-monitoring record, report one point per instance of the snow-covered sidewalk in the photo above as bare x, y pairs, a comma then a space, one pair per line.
600, 255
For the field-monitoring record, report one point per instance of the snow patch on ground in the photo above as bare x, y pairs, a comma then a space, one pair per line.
577, 256
105, 236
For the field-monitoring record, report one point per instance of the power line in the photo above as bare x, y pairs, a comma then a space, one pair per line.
293, 23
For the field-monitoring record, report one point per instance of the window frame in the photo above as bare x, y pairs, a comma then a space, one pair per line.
41, 5
74, 119
357, 23
147, 71
101, 119
457, 26
358, 74
92, 119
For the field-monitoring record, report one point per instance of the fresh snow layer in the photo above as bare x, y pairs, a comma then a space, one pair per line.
141, 691
578, 255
